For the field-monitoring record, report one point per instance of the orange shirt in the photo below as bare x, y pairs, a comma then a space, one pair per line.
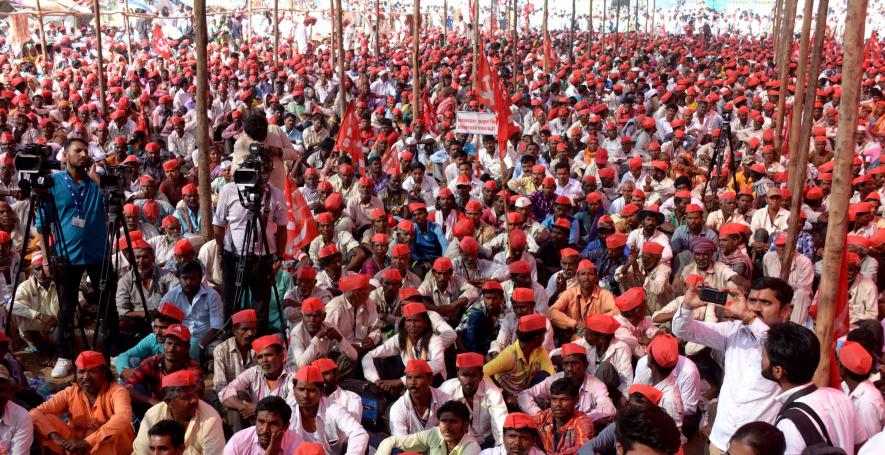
572, 306
110, 415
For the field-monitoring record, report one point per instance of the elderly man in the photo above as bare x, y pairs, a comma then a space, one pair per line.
312, 338
154, 284
181, 404
354, 315
420, 394
270, 376
234, 355
585, 298
481, 396
715, 273
35, 310
105, 429
451, 294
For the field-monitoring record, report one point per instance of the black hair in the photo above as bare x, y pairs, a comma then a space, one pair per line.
874, 328
255, 127
71, 140
562, 165
682, 180
783, 292
172, 392
863, 337
171, 428
277, 406
525, 337
762, 437
795, 349
647, 425
563, 386
417, 165
455, 407
423, 341
191, 266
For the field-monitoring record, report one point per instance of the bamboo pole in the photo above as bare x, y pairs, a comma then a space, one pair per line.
776, 28
590, 19
604, 20
416, 72
653, 13
546, 38
377, 28
43, 34
635, 15
571, 37
102, 87
342, 92
513, 40
475, 37
249, 10
647, 13
276, 36
618, 22
201, 39
445, 20
127, 28
784, 69
798, 156
832, 273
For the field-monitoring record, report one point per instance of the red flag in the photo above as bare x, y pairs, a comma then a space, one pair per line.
549, 56
301, 228
429, 113
492, 93
349, 139
159, 44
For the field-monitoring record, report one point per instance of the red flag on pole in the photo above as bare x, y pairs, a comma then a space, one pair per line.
159, 44
841, 320
301, 228
549, 55
349, 139
428, 113
492, 93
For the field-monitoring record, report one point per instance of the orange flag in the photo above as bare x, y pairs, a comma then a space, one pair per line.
301, 228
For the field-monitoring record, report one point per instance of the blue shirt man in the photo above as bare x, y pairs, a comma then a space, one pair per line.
202, 305
430, 242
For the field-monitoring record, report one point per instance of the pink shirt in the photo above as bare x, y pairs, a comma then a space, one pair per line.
245, 442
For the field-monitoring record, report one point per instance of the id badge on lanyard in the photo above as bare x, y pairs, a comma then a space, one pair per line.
77, 195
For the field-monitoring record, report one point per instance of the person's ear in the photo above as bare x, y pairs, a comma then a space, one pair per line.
786, 311
619, 448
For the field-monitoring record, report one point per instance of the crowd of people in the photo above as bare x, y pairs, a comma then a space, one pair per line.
605, 280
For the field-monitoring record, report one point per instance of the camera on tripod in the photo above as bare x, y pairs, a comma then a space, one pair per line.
254, 170
111, 183
36, 162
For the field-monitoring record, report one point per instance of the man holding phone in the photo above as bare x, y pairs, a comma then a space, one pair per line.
746, 396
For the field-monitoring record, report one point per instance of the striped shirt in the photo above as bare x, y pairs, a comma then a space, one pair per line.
572, 435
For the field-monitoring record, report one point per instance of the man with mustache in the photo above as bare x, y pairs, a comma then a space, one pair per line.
520, 437
269, 376
449, 437
182, 405
481, 396
271, 433
421, 399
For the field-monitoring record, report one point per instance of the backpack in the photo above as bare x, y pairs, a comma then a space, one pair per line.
802, 415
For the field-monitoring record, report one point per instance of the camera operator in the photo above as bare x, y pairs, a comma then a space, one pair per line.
271, 137
81, 209
230, 223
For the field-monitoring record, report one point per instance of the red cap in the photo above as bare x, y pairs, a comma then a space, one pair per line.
650, 393
90, 359
694, 208
310, 448
523, 295
652, 248
171, 164
665, 350
244, 316
324, 364
179, 331
442, 264
353, 282
392, 274
328, 250
265, 342
585, 264
630, 299
307, 373
171, 311
855, 358
469, 360
469, 245
306, 273
418, 366
190, 188
573, 349
601, 323
532, 322
180, 378
567, 253
521, 267
518, 421
312, 305
400, 250
493, 286
616, 241
414, 309
182, 247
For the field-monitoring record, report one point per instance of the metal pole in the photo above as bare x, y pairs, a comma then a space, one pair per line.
784, 70
798, 156
832, 273
201, 39
43, 33
102, 87
416, 72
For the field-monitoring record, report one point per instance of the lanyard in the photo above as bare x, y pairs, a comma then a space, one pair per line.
77, 195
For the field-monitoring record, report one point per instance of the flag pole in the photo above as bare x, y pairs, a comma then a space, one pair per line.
43, 34
604, 20
546, 38
342, 95
127, 27
377, 28
102, 87
416, 71
571, 37
786, 45
590, 19
799, 131
276, 36
852, 70
514, 42
203, 141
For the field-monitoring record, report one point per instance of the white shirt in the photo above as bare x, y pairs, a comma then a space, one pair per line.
836, 412
335, 428
488, 409
687, 377
350, 401
593, 397
636, 239
435, 357
404, 419
873, 446
745, 395
17, 429
868, 404
304, 348
231, 213
617, 354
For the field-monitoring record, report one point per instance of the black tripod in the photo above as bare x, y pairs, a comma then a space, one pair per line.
723, 146
114, 194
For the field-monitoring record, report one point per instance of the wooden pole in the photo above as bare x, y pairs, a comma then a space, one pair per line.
513, 39
445, 20
201, 39
653, 14
604, 20
276, 36
342, 91
775, 28
475, 38
784, 70
128, 30
377, 28
590, 19
416, 71
798, 156
43, 33
647, 13
546, 37
618, 22
102, 87
635, 15
571, 37
249, 8
832, 272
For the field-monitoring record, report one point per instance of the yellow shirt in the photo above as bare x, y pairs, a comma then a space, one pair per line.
513, 372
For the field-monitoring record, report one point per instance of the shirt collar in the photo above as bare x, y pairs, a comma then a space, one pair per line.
785, 395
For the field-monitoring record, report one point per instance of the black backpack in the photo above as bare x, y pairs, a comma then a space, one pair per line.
802, 416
